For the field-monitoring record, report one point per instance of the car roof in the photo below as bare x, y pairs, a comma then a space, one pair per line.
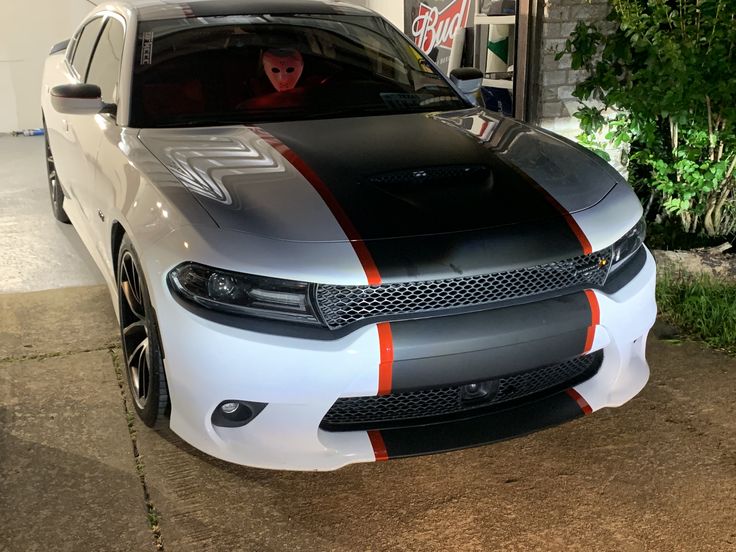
169, 9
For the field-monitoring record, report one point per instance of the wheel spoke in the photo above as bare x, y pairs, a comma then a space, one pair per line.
139, 326
126, 271
139, 367
136, 308
135, 282
131, 287
134, 378
131, 273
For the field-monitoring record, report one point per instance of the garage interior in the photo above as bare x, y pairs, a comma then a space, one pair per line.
79, 472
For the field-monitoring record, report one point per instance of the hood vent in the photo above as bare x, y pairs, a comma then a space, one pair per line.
433, 176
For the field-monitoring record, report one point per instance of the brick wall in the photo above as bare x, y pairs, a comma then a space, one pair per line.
556, 81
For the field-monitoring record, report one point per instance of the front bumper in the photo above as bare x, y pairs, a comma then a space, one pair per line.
300, 379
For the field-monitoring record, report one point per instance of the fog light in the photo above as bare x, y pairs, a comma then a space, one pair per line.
236, 413
229, 408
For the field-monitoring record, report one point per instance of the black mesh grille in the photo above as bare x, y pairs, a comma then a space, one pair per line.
344, 305
406, 408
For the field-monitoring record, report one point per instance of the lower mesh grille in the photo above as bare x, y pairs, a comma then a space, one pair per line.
360, 413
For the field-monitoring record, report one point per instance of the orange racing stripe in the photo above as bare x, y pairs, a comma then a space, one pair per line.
595, 312
385, 368
582, 403
379, 447
359, 246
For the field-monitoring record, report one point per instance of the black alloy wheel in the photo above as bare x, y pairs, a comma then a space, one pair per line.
142, 351
57, 194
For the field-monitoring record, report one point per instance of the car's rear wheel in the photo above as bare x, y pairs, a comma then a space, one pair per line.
142, 351
57, 195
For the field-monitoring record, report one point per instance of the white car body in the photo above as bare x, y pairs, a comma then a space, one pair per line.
116, 179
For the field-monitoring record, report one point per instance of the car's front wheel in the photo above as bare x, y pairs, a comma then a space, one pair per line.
57, 195
142, 351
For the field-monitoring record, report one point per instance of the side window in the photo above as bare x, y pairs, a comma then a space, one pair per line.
105, 67
85, 44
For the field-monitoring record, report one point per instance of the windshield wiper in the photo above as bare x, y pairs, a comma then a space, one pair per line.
346, 112
201, 122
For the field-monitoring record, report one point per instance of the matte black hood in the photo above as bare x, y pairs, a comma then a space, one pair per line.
391, 176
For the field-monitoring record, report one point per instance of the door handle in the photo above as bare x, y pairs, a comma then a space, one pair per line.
65, 125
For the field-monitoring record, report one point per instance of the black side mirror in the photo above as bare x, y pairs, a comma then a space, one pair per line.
469, 80
80, 99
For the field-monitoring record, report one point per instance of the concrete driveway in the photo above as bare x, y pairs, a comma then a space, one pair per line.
78, 473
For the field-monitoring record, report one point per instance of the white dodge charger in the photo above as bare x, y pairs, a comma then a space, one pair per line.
323, 251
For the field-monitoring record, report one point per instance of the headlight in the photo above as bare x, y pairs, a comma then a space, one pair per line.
243, 293
625, 248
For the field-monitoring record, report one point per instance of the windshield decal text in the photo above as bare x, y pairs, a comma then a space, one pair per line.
147, 49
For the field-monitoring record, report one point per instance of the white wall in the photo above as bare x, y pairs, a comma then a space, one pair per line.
28, 29
393, 10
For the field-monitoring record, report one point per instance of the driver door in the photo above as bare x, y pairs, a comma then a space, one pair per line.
96, 193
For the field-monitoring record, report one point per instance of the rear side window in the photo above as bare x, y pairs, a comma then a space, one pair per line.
85, 44
105, 67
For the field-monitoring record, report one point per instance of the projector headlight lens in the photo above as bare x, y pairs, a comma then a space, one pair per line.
625, 248
246, 294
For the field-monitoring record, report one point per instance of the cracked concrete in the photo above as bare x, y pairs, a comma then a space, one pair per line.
151, 511
54, 323
67, 479
658, 474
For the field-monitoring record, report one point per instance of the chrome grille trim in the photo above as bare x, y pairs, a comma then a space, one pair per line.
340, 306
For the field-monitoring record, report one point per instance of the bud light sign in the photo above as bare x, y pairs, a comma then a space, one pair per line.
432, 24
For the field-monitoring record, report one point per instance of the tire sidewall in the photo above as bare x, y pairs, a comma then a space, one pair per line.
157, 401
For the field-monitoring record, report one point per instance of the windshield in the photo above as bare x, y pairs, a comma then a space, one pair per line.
250, 69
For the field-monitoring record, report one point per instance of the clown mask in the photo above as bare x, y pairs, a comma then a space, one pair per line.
284, 68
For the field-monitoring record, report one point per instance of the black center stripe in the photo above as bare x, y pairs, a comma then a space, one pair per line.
481, 430
490, 344
430, 201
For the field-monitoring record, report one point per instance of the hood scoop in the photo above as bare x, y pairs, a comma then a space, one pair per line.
435, 176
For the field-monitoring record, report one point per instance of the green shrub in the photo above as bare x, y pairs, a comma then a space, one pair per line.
701, 307
668, 70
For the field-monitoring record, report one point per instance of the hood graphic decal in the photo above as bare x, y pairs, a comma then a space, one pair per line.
203, 164
243, 183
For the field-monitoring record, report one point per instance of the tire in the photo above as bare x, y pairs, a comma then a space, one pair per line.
57, 194
142, 352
